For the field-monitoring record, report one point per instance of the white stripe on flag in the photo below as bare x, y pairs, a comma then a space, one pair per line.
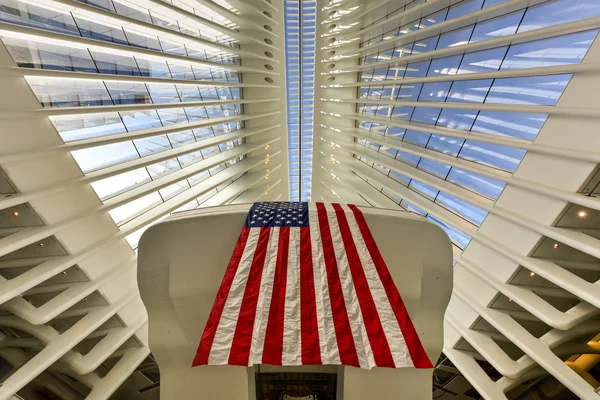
327, 339
292, 349
357, 324
219, 352
264, 300
396, 341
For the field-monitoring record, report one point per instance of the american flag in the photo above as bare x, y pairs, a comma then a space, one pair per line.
307, 285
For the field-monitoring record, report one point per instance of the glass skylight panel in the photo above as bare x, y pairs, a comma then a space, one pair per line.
85, 126
34, 52
114, 185
61, 92
544, 90
558, 12
464, 209
300, 39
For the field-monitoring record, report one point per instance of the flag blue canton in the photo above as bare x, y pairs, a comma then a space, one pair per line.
277, 215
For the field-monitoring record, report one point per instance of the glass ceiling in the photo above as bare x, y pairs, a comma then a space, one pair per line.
382, 113
192, 143
300, 17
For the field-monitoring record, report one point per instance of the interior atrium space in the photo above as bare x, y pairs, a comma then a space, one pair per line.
479, 116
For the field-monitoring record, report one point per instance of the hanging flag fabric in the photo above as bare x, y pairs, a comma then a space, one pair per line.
307, 285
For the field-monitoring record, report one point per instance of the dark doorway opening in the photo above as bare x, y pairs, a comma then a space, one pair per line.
295, 386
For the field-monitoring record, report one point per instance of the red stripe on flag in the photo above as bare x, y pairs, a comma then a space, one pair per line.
376, 334
242, 338
415, 348
208, 336
343, 332
273, 348
311, 349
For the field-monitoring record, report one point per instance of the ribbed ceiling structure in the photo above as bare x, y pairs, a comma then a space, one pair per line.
114, 115
479, 115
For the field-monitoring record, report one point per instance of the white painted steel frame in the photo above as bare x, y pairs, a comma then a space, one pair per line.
48, 181
536, 194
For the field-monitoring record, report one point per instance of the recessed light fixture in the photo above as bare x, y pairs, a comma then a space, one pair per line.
532, 274
64, 272
555, 245
41, 244
85, 298
15, 213
510, 300
582, 214
267, 146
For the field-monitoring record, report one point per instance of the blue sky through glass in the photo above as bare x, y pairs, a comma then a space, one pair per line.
300, 38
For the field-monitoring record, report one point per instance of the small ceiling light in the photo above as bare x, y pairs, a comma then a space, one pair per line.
267, 147
15, 213
555, 245
64, 272
582, 214
267, 177
510, 300
532, 274
41, 244
85, 298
